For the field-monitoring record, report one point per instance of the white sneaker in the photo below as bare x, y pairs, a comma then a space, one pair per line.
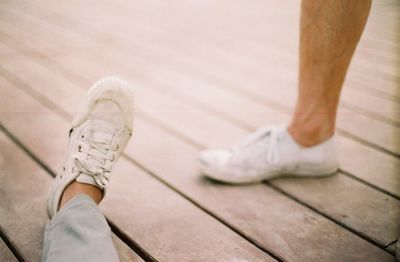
269, 152
98, 136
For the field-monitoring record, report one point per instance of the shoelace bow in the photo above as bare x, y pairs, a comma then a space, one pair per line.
274, 133
98, 152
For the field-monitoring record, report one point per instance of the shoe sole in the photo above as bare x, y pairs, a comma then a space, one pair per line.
303, 173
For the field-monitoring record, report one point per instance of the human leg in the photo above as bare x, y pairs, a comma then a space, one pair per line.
78, 230
330, 31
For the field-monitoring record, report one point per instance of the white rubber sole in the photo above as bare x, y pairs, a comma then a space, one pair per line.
252, 179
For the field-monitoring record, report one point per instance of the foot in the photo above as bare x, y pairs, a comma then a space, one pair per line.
97, 138
269, 152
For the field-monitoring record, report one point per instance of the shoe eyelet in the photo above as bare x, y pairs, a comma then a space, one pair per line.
82, 136
80, 148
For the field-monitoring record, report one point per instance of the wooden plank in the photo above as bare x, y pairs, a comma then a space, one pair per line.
365, 83
125, 253
244, 208
23, 214
383, 108
5, 253
380, 134
358, 206
5, 51
181, 232
392, 248
149, 221
363, 162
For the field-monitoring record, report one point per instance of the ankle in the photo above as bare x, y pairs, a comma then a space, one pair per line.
77, 188
310, 135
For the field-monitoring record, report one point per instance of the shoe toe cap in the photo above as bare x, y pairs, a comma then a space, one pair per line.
214, 158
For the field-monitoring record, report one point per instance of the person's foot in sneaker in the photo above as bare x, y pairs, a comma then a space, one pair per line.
269, 152
98, 136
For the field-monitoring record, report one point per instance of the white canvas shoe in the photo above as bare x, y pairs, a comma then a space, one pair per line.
269, 152
98, 136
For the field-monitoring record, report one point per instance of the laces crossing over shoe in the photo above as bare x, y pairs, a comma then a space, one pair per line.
98, 136
268, 153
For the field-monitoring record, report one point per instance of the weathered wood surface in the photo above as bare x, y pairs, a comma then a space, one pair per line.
392, 248
174, 114
125, 253
199, 88
160, 162
5, 254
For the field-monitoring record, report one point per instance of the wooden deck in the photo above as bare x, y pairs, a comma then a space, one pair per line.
205, 73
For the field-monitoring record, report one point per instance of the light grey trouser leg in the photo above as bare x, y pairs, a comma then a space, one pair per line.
78, 232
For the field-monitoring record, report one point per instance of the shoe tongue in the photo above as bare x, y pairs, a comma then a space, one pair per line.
102, 131
261, 135
108, 111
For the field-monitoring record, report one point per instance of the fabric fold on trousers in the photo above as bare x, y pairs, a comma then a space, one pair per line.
79, 232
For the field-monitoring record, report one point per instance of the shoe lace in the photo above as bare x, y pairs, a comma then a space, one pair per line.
95, 155
270, 133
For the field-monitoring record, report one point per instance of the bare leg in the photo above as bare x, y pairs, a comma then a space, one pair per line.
78, 188
330, 31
